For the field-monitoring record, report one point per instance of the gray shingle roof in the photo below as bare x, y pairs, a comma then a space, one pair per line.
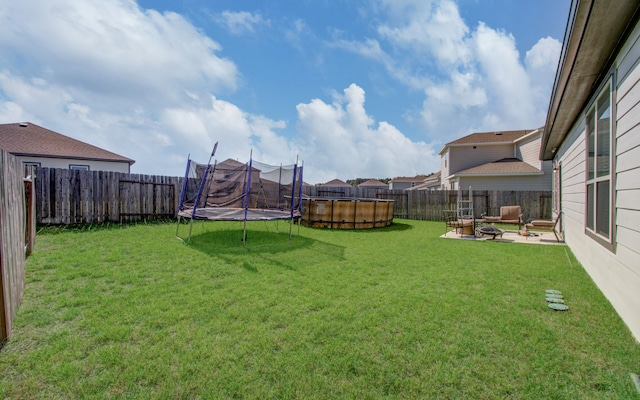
27, 139
372, 183
418, 178
506, 166
491, 137
336, 182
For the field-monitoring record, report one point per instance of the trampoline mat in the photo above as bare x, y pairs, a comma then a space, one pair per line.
236, 214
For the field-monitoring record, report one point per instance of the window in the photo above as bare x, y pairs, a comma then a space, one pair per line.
557, 187
599, 156
29, 167
79, 167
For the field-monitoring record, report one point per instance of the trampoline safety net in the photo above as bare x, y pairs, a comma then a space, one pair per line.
231, 190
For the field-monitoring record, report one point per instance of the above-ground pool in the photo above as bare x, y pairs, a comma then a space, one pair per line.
346, 213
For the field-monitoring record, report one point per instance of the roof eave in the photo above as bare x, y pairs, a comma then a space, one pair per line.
595, 30
127, 161
528, 135
497, 174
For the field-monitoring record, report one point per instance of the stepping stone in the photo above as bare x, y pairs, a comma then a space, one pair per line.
555, 296
552, 291
558, 307
554, 300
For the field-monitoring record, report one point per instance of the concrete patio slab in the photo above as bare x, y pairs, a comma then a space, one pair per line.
546, 238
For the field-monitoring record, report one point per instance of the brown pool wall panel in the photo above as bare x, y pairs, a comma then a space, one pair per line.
347, 213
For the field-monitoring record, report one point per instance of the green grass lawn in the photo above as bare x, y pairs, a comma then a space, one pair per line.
131, 312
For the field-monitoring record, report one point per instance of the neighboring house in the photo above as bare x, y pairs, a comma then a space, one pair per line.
334, 188
404, 182
373, 184
336, 183
592, 135
431, 182
35, 145
506, 160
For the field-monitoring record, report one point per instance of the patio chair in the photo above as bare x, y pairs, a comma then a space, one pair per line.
545, 225
508, 215
463, 226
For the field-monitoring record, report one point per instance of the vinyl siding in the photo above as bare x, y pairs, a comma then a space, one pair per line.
529, 182
461, 158
65, 162
528, 151
444, 165
617, 272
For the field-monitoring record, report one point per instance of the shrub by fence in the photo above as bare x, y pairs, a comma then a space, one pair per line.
17, 228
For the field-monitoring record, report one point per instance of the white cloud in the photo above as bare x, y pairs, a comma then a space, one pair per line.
505, 78
481, 81
113, 75
240, 22
139, 55
434, 30
346, 143
151, 86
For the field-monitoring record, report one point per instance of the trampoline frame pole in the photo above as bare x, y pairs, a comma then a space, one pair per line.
301, 184
184, 183
248, 195
204, 179
293, 196
184, 189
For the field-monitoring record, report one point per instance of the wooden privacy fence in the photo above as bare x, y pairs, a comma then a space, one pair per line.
65, 196
431, 204
17, 230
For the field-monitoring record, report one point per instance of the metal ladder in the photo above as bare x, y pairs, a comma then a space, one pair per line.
464, 207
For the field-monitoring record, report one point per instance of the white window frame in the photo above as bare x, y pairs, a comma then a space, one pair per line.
26, 164
79, 167
593, 213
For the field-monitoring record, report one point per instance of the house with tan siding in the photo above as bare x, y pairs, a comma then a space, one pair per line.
406, 182
38, 146
504, 160
592, 137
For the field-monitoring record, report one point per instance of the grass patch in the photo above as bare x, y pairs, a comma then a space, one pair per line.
397, 312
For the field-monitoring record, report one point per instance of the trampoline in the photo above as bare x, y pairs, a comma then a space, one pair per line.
235, 191
236, 214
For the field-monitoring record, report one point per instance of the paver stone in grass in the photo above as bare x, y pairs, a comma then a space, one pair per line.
555, 300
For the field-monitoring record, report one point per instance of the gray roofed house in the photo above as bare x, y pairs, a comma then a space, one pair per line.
334, 188
335, 183
503, 160
35, 145
431, 182
406, 182
373, 184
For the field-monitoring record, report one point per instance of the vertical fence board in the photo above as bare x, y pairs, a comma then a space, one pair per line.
13, 214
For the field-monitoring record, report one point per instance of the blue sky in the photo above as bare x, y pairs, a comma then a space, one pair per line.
369, 88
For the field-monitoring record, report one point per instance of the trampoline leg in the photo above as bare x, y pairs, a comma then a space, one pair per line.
244, 234
190, 229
